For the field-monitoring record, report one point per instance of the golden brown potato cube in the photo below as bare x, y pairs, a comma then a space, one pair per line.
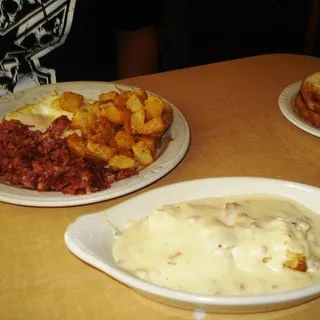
76, 144
295, 261
84, 121
137, 122
141, 94
142, 153
154, 107
154, 127
71, 101
134, 104
82, 118
167, 115
113, 113
124, 140
99, 151
150, 142
108, 110
111, 95
122, 162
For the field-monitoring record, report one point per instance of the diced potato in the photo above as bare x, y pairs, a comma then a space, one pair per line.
111, 95
121, 162
82, 118
137, 122
154, 127
76, 144
134, 104
150, 142
122, 128
71, 101
84, 121
124, 140
114, 114
110, 111
142, 153
154, 107
99, 151
295, 261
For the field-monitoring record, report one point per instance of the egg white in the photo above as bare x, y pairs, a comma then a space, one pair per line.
40, 115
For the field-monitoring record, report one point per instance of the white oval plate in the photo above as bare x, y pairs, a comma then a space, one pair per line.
169, 159
286, 104
90, 238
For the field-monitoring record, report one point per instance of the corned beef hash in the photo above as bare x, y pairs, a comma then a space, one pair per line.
69, 144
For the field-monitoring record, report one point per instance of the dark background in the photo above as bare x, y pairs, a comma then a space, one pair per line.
196, 32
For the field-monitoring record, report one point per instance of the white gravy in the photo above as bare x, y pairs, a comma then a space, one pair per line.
225, 246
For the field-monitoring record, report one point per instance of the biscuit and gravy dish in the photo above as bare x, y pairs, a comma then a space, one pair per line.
241, 245
307, 100
68, 143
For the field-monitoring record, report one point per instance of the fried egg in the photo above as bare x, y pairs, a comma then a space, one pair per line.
40, 115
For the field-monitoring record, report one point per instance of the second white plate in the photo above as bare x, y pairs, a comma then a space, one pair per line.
286, 103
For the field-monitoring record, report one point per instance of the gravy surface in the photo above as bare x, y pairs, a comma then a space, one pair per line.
242, 245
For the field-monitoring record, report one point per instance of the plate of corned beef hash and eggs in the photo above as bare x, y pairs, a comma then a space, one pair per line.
76, 143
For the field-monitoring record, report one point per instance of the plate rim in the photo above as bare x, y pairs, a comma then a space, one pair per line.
285, 104
304, 293
35, 199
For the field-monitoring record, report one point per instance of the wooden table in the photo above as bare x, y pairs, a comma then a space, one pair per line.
237, 129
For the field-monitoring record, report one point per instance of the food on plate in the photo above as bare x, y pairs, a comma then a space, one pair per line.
76, 145
304, 112
310, 90
241, 245
307, 100
43, 161
40, 115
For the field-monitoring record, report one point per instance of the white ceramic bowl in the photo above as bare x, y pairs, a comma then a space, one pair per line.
91, 239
